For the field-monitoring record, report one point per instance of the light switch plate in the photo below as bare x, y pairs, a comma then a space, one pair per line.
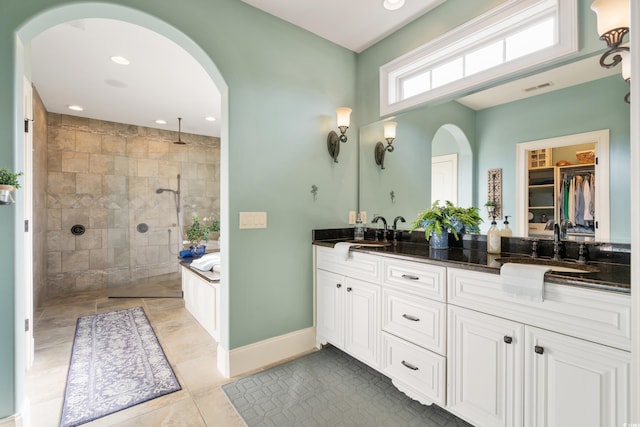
352, 217
363, 217
253, 220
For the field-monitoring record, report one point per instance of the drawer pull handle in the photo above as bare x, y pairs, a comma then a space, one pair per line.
410, 317
508, 339
410, 366
349, 289
410, 277
538, 349
338, 285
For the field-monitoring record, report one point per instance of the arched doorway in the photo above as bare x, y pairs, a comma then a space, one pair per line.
94, 10
452, 162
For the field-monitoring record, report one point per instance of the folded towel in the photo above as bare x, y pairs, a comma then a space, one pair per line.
524, 280
342, 249
206, 262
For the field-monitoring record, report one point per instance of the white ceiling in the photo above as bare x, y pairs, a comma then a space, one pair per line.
71, 65
354, 24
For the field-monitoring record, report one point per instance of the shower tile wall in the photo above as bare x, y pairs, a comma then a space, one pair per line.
104, 175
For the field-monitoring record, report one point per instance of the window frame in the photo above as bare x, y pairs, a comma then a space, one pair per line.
499, 23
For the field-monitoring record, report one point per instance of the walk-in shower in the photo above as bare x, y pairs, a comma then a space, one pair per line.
176, 196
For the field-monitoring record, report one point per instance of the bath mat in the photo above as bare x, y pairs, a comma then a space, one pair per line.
116, 363
329, 388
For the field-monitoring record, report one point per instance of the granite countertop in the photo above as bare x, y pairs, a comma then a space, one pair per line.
610, 276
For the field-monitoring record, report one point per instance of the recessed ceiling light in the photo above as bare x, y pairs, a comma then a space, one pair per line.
161, 122
75, 107
393, 4
210, 119
121, 60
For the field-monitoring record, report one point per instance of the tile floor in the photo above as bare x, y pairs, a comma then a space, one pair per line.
190, 350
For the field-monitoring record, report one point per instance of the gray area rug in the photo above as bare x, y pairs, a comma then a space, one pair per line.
116, 363
329, 388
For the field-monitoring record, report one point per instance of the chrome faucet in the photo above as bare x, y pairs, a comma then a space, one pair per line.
384, 221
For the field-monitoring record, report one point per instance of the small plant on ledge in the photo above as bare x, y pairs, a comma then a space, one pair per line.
199, 230
8, 184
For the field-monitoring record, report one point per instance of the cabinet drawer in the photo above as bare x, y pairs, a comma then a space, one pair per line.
418, 320
358, 265
421, 279
599, 316
415, 371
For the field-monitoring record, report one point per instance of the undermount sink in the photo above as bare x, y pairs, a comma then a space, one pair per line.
369, 243
555, 266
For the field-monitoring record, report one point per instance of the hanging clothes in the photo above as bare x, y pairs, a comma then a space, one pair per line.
579, 195
572, 201
588, 205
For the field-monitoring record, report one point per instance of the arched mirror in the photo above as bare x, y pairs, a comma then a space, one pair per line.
404, 186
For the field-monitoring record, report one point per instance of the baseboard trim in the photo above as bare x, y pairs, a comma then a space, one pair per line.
12, 421
264, 353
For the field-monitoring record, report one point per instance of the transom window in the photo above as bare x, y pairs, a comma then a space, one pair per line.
517, 35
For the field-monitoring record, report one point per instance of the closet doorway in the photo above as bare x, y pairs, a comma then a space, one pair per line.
564, 181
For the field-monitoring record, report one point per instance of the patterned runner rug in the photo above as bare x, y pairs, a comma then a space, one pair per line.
329, 388
116, 363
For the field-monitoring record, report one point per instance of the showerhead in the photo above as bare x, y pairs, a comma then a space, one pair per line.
179, 141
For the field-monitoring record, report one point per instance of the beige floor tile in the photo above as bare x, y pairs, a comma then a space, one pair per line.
180, 414
189, 348
217, 411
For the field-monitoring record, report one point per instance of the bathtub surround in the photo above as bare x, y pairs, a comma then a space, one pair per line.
104, 176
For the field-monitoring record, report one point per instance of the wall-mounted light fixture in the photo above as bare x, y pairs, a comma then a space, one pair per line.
613, 25
381, 149
333, 140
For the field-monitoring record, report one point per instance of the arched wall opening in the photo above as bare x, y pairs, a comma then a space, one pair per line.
37, 24
450, 139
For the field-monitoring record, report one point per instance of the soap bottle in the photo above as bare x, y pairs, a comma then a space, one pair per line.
358, 233
494, 239
506, 231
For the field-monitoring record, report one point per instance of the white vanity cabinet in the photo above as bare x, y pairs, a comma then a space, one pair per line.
201, 299
414, 328
348, 309
485, 369
574, 382
501, 348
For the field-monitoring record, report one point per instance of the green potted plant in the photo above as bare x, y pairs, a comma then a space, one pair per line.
438, 221
199, 231
491, 206
8, 184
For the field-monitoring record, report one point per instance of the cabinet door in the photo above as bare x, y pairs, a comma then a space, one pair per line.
485, 367
573, 382
330, 308
362, 309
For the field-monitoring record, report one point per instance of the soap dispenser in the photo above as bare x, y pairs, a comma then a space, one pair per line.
494, 239
506, 231
358, 233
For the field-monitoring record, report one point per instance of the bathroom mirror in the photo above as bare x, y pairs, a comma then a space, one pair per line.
403, 187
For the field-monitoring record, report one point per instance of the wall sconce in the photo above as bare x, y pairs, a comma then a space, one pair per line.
381, 149
333, 140
613, 25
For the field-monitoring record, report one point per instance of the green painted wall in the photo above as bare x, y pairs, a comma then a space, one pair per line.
582, 108
284, 85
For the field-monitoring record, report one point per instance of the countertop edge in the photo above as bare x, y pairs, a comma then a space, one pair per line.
619, 288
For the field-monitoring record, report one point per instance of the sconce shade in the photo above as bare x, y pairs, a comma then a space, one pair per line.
611, 14
344, 115
390, 130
